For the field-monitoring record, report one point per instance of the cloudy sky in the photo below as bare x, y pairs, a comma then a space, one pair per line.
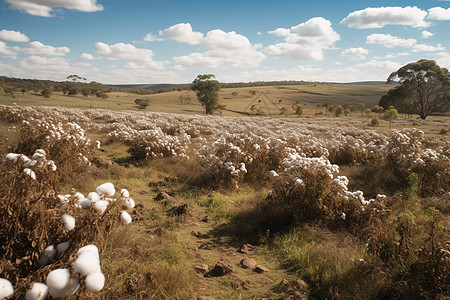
172, 41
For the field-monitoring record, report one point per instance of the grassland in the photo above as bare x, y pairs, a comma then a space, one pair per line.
158, 256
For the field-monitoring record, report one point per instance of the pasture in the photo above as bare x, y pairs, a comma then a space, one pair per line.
268, 204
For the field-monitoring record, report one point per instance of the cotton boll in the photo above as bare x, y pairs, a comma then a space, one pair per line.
95, 281
128, 203
6, 288
12, 157
93, 196
68, 222
87, 263
38, 291
125, 217
58, 280
37, 156
101, 205
85, 203
61, 247
71, 288
40, 151
124, 193
106, 189
48, 255
88, 248
30, 173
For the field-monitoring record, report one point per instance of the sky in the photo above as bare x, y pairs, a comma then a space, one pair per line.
173, 41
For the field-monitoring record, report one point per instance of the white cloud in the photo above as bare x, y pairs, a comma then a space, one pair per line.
378, 17
355, 53
378, 64
82, 64
45, 65
121, 51
139, 75
427, 48
149, 37
37, 48
439, 14
88, 56
10, 52
389, 41
305, 41
427, 34
443, 59
222, 48
13, 36
44, 8
183, 32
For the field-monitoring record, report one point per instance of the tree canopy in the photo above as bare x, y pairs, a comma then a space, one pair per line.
424, 88
207, 90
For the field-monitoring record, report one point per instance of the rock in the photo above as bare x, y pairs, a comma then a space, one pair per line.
248, 263
203, 268
247, 248
222, 268
163, 195
260, 269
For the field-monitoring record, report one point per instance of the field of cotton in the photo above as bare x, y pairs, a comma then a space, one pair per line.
329, 204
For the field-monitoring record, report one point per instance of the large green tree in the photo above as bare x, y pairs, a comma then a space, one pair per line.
424, 88
207, 89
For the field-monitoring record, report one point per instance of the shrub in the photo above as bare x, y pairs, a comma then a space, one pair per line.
142, 103
375, 122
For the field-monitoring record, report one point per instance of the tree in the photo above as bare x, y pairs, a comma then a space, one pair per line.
361, 107
339, 111
424, 88
391, 114
46, 92
142, 103
75, 78
299, 111
207, 90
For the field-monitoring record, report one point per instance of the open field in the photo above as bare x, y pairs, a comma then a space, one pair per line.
309, 95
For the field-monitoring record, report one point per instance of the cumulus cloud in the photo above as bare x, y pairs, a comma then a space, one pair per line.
6, 51
121, 51
378, 17
35, 62
149, 37
37, 48
380, 64
427, 48
221, 48
88, 56
183, 32
427, 34
439, 14
389, 41
355, 53
305, 41
13, 36
44, 8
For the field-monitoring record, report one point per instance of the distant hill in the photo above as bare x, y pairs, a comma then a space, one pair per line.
154, 87
367, 82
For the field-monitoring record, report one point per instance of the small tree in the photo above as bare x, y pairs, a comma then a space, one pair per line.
207, 90
47, 92
339, 110
24, 90
391, 114
299, 110
142, 103
361, 107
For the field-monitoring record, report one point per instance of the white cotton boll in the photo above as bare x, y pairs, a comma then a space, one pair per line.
106, 189
72, 286
6, 288
68, 222
125, 217
101, 205
93, 196
38, 291
84, 203
128, 203
95, 281
37, 156
58, 279
343, 215
30, 173
87, 263
79, 196
40, 151
124, 193
61, 247
12, 157
88, 248
48, 255
273, 173
98, 144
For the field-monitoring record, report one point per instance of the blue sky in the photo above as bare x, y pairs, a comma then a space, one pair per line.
138, 41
